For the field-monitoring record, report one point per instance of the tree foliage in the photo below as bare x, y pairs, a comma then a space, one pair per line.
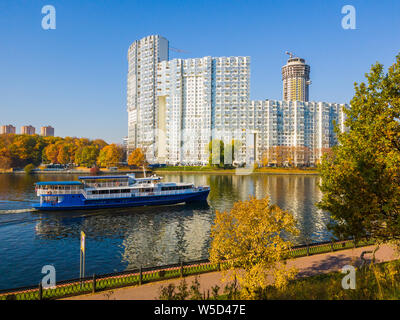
18, 150
137, 158
110, 155
87, 156
218, 150
360, 178
250, 238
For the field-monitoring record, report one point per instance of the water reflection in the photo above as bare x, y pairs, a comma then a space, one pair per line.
119, 239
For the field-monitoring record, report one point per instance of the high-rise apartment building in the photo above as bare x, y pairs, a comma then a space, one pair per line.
295, 131
200, 100
143, 58
296, 79
47, 131
177, 107
6, 129
28, 130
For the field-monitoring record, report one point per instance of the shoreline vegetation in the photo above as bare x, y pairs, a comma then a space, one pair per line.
199, 169
180, 169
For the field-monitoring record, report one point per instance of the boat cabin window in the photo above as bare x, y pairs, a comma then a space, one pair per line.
106, 183
176, 188
111, 191
146, 189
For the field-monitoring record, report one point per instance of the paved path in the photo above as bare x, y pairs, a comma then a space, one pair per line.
307, 266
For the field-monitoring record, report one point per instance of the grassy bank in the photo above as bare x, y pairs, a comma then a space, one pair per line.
200, 169
379, 281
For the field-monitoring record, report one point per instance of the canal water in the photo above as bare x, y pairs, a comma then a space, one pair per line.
121, 239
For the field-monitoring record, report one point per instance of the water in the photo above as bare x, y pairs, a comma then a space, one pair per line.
120, 239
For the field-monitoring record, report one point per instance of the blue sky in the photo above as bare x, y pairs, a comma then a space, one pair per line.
74, 77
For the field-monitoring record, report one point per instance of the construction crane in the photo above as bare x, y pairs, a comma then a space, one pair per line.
290, 54
178, 50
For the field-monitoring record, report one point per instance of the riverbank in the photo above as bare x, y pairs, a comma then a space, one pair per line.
86, 172
307, 266
238, 171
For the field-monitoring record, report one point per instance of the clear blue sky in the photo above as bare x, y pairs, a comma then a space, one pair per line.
74, 77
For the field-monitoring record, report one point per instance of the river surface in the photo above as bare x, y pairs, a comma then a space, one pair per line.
121, 239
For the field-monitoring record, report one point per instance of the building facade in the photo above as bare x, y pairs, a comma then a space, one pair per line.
47, 131
142, 103
28, 130
177, 107
294, 131
296, 80
6, 129
200, 100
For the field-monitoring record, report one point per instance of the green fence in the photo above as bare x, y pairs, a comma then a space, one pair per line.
140, 276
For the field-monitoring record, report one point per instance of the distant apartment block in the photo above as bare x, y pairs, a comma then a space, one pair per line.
28, 130
177, 107
299, 131
7, 129
47, 131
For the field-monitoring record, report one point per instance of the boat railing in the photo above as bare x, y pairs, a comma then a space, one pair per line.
106, 184
44, 192
107, 196
135, 194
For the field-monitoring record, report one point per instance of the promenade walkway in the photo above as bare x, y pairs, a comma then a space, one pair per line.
307, 266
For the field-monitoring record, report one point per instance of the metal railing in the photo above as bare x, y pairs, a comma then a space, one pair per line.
44, 192
140, 194
139, 276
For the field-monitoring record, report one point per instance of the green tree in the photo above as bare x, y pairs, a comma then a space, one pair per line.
360, 178
28, 168
234, 146
86, 156
213, 147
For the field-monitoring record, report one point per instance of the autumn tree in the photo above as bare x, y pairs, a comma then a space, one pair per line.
87, 156
110, 155
360, 178
5, 159
99, 143
137, 158
51, 153
250, 238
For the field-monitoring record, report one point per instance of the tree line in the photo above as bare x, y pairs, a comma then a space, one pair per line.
19, 150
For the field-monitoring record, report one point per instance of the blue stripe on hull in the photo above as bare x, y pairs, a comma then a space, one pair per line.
129, 202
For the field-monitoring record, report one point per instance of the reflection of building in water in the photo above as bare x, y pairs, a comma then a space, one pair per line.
164, 242
297, 194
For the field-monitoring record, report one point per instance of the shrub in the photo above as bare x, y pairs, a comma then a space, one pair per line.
28, 168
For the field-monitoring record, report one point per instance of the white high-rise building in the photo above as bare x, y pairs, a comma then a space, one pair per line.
300, 131
177, 107
200, 100
143, 58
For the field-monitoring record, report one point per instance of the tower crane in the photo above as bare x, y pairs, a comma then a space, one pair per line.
178, 50
291, 54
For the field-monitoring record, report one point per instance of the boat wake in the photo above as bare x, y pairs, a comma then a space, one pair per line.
17, 211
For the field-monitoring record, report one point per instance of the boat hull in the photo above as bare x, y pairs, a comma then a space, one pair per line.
83, 204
